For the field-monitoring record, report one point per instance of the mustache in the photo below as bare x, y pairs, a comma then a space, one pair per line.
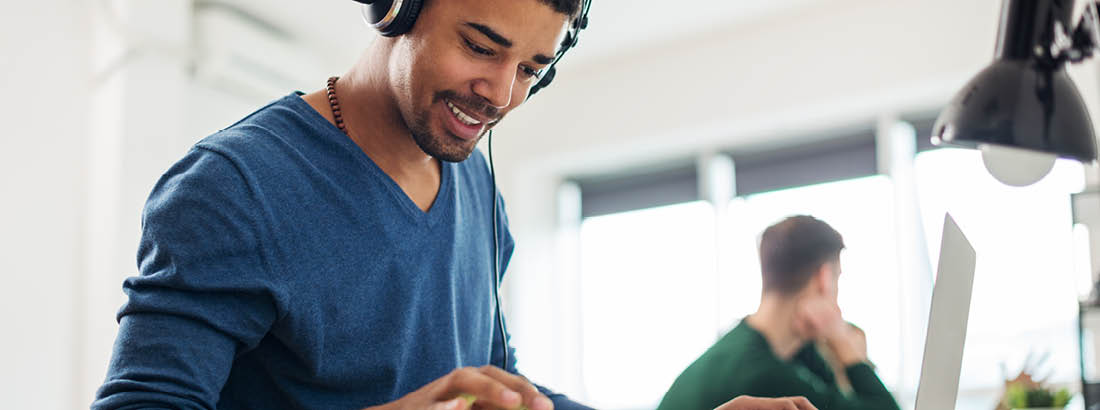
470, 102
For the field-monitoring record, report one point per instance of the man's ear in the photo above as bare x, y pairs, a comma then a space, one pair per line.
821, 278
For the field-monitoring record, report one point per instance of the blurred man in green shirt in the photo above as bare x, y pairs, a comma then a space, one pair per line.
775, 351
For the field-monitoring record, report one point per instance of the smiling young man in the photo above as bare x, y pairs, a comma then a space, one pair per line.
334, 250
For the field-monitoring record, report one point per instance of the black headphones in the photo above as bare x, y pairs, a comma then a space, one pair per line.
396, 17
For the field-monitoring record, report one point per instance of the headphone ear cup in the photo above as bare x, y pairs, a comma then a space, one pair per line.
406, 17
403, 21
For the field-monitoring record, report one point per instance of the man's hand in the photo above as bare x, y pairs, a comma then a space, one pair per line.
492, 387
857, 342
758, 403
849, 345
820, 319
858, 338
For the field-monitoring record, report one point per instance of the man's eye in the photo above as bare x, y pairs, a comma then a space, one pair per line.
478, 49
530, 72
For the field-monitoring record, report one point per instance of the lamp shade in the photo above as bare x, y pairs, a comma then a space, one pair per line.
1024, 99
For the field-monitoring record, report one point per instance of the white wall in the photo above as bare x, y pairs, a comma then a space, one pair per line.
101, 103
735, 86
139, 86
42, 149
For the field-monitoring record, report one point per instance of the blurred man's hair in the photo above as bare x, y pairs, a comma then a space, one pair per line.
792, 250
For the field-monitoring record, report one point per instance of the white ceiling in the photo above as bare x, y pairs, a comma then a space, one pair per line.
334, 28
625, 26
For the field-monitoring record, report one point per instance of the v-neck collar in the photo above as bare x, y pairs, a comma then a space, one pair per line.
446, 169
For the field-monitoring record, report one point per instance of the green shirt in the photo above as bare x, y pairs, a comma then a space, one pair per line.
742, 363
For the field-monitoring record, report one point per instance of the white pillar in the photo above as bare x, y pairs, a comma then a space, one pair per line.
567, 288
895, 143
43, 71
139, 94
717, 185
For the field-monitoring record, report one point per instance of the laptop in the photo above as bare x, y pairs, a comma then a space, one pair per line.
943, 346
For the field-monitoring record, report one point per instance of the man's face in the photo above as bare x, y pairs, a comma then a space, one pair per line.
466, 64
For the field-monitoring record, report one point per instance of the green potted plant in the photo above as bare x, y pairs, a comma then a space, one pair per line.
1024, 396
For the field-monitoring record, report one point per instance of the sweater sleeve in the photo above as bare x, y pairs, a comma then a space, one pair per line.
869, 394
865, 383
203, 294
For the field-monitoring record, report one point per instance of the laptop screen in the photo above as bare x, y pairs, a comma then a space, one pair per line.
943, 346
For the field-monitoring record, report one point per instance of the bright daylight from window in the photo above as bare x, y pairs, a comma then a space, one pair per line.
1024, 299
653, 301
649, 301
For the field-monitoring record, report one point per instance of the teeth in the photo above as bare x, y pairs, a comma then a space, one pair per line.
466, 119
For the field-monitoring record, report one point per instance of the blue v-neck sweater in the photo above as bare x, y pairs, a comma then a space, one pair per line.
280, 268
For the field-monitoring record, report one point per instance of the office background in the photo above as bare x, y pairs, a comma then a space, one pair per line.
635, 185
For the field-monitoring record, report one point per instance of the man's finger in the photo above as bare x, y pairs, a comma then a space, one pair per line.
488, 390
534, 399
801, 403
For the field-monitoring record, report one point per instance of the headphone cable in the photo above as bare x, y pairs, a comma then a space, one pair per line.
496, 260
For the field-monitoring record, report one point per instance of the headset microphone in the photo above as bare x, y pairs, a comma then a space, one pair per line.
496, 258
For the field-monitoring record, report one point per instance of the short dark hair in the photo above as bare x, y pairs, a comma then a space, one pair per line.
793, 249
569, 8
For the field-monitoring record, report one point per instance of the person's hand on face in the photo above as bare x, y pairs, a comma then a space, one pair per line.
819, 318
858, 339
492, 387
759, 403
849, 346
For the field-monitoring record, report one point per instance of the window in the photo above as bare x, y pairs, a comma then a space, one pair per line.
861, 210
645, 279
663, 275
659, 285
1024, 299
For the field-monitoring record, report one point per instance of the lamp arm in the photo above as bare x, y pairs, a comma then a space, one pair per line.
1086, 36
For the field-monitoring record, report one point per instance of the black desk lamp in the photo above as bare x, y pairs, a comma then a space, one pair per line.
1023, 111
1023, 107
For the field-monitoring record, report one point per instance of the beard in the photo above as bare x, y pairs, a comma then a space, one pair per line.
447, 147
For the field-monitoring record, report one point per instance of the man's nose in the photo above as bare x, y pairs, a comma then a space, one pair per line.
496, 87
